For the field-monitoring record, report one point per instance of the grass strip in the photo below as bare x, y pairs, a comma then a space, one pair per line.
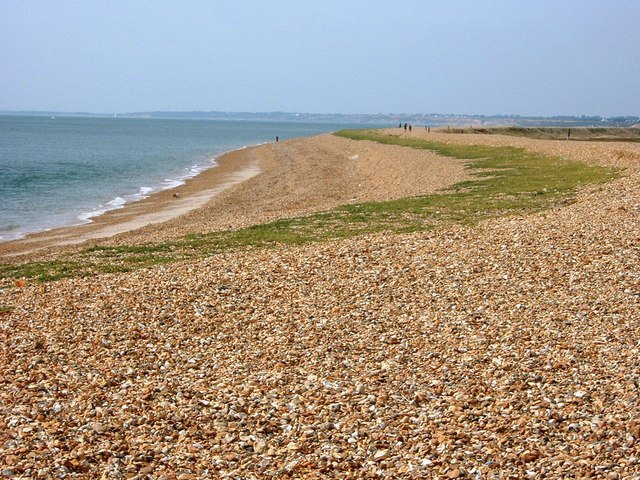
506, 181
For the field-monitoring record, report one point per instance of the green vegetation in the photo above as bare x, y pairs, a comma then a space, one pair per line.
507, 181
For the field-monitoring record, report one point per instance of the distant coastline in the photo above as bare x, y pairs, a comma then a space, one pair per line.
426, 119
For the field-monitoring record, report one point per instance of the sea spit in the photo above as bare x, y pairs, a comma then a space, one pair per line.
506, 350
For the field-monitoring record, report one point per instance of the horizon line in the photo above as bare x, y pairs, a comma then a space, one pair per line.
294, 113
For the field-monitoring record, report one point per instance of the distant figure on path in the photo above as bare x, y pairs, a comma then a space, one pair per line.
277, 139
405, 127
409, 127
569, 134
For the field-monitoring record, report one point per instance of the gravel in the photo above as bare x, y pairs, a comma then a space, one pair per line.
508, 350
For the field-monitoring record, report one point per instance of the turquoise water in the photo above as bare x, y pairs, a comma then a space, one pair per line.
66, 170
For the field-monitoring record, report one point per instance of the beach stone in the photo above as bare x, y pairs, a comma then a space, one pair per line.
381, 455
288, 371
530, 456
455, 473
99, 428
259, 446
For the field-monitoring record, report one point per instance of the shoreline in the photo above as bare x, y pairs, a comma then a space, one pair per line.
229, 169
296, 177
256, 185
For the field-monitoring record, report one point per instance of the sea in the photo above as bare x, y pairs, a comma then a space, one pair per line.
58, 171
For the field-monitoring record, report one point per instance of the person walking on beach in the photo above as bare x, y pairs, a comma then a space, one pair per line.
277, 139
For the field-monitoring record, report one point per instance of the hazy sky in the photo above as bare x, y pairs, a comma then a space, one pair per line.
527, 57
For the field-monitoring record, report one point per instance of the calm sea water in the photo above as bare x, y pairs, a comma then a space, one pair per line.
65, 170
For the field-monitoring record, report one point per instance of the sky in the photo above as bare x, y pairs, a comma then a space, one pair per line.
492, 57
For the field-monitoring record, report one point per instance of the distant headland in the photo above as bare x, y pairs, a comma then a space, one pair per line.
427, 119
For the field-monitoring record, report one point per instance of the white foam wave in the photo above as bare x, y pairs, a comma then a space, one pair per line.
189, 172
144, 192
114, 204
87, 216
170, 183
117, 202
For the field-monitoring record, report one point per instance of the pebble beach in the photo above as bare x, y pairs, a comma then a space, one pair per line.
508, 350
